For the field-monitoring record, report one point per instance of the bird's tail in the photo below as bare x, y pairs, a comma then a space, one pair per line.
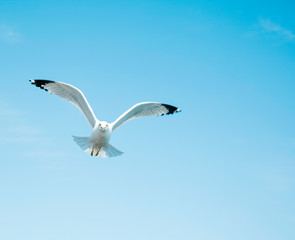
110, 151
83, 142
104, 151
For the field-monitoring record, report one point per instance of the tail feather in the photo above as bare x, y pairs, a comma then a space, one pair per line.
110, 151
83, 142
105, 151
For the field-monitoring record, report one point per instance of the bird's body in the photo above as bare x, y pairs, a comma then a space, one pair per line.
100, 137
98, 144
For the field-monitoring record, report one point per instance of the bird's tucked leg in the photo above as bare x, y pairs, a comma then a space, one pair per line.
97, 152
92, 151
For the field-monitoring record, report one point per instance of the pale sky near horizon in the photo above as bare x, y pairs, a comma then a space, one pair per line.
222, 169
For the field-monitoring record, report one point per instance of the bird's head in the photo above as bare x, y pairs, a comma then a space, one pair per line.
103, 125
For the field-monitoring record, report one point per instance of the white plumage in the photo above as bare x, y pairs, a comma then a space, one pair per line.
98, 142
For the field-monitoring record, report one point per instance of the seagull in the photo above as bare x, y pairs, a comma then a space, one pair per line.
98, 142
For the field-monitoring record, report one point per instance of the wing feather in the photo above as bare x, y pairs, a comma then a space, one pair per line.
144, 109
70, 94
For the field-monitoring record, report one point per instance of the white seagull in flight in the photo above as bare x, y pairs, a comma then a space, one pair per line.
98, 142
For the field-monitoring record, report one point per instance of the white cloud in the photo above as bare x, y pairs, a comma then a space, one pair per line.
26, 139
20, 134
7, 112
8, 34
274, 30
14, 128
47, 153
24, 130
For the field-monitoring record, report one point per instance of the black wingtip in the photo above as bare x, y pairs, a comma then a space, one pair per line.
40, 83
171, 109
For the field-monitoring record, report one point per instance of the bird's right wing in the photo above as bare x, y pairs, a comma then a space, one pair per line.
70, 94
144, 109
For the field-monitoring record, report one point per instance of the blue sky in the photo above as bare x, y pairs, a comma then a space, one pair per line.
221, 169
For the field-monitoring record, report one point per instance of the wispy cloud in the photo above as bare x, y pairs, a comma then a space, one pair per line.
275, 30
9, 35
26, 139
7, 111
21, 134
14, 127
24, 130
47, 153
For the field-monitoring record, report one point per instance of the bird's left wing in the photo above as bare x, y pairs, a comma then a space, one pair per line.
70, 94
144, 109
